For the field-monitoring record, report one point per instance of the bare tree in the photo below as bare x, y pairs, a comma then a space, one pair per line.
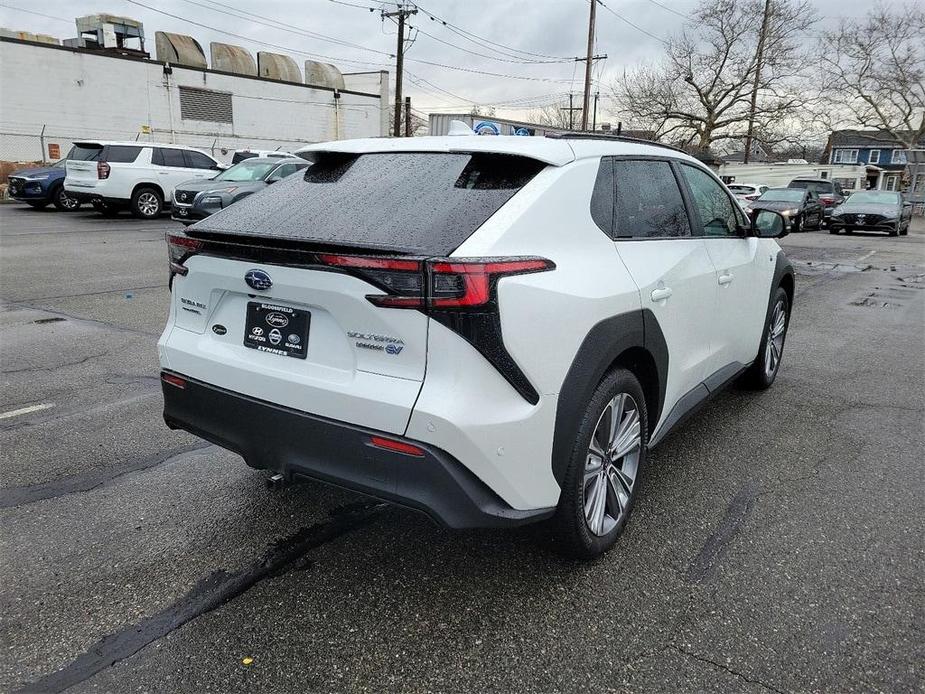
698, 94
551, 115
873, 72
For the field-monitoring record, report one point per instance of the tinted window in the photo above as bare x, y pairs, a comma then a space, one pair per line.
85, 152
417, 202
241, 156
717, 212
817, 186
602, 197
164, 156
197, 160
648, 202
121, 154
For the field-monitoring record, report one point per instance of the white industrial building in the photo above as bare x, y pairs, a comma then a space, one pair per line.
96, 87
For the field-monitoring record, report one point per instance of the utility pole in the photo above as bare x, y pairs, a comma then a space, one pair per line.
588, 63
407, 116
594, 120
571, 111
402, 14
758, 58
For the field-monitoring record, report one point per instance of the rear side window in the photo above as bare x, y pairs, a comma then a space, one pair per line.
165, 156
816, 186
198, 160
414, 202
648, 202
238, 157
121, 154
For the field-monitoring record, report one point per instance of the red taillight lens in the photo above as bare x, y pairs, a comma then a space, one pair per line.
827, 200
179, 248
173, 380
437, 283
468, 283
102, 169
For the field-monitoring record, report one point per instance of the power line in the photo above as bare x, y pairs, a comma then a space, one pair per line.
38, 14
482, 38
635, 26
491, 57
670, 9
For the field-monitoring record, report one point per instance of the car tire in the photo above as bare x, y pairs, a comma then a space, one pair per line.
62, 200
601, 484
796, 225
833, 231
905, 230
37, 204
895, 230
147, 203
763, 371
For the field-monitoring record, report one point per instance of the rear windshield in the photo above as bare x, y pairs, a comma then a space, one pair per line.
412, 202
741, 189
815, 186
782, 195
241, 156
124, 154
85, 152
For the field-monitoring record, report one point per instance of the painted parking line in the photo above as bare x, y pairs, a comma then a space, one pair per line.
26, 410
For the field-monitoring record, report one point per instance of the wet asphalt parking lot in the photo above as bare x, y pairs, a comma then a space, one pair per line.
777, 544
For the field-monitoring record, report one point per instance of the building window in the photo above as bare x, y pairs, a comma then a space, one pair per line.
874, 157
205, 104
846, 156
899, 156
891, 182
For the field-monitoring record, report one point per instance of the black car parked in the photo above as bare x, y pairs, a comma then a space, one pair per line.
873, 210
800, 207
197, 199
830, 193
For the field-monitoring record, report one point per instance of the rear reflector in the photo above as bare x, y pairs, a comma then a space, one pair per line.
396, 446
177, 381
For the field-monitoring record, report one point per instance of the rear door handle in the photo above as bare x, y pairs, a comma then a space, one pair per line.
661, 294
725, 279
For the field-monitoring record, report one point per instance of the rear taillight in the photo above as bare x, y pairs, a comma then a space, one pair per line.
827, 200
461, 294
753, 196
179, 248
102, 170
443, 283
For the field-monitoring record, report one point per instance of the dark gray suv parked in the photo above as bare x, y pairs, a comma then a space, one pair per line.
197, 199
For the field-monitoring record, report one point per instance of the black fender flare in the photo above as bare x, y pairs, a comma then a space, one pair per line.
634, 333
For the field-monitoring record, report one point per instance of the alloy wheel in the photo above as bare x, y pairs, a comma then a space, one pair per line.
612, 464
148, 204
775, 343
66, 201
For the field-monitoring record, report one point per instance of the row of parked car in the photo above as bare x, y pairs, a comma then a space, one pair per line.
811, 203
147, 177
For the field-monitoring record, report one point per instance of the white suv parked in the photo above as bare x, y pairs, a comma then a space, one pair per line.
139, 176
490, 330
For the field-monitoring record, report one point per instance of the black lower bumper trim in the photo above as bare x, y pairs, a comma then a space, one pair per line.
297, 444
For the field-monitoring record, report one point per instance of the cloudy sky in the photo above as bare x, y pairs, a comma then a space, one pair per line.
510, 54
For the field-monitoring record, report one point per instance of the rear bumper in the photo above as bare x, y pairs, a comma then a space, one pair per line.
297, 444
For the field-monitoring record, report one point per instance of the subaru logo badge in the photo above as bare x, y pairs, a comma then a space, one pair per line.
258, 279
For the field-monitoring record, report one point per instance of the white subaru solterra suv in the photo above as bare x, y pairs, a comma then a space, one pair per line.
492, 330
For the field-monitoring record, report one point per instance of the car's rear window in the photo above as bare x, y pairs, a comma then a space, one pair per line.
815, 186
85, 152
411, 202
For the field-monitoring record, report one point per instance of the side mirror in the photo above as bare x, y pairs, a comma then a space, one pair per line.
768, 224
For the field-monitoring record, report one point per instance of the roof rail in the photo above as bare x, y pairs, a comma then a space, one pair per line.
618, 138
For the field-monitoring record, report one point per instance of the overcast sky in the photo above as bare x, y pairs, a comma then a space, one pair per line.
554, 28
